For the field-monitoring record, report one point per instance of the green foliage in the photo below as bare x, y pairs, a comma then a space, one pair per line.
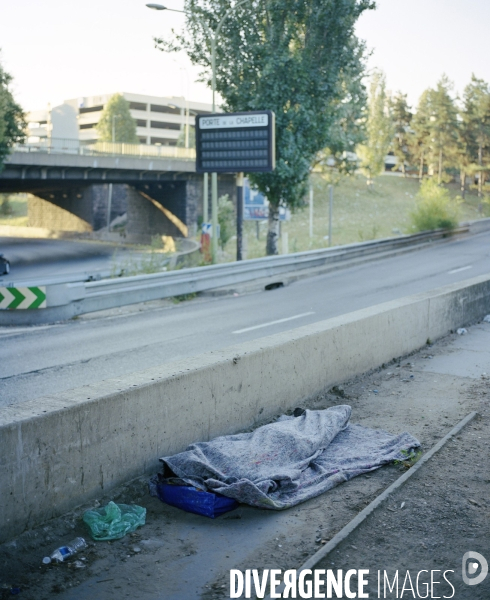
435, 138
151, 260
476, 116
12, 118
475, 129
379, 130
359, 212
410, 458
5, 207
401, 118
116, 123
434, 208
226, 219
192, 138
13, 209
419, 138
347, 130
289, 56
443, 127
486, 207
184, 297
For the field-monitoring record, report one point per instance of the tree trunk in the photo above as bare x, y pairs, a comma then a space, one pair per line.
439, 177
462, 179
404, 170
421, 169
480, 174
273, 230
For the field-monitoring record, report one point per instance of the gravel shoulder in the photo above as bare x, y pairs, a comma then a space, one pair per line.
178, 555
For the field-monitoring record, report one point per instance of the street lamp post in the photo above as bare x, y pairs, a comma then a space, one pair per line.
109, 198
212, 35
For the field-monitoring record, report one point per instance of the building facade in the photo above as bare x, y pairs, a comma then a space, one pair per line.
159, 120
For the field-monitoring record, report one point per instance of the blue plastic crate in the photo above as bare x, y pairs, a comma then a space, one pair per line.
191, 499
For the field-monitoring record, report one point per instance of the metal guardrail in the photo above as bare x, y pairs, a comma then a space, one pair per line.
70, 298
73, 146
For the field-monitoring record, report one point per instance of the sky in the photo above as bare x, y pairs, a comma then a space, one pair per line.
58, 50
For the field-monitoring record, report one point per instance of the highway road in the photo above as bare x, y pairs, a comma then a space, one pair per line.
31, 258
38, 361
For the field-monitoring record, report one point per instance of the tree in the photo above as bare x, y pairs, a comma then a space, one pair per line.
476, 126
419, 138
435, 130
12, 118
443, 128
192, 138
401, 118
348, 129
288, 56
464, 154
116, 123
379, 129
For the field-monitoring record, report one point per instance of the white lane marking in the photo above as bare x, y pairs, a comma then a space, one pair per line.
460, 269
273, 322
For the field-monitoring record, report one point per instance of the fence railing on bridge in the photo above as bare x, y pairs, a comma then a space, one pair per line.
72, 146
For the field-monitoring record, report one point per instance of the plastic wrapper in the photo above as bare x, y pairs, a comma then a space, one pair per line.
114, 521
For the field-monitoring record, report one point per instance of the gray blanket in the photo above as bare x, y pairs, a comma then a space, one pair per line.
289, 461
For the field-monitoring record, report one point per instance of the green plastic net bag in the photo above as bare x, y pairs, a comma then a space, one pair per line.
114, 521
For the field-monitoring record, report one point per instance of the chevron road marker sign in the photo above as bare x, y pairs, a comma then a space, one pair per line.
12, 298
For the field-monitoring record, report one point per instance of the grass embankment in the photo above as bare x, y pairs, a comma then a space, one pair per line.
360, 213
17, 204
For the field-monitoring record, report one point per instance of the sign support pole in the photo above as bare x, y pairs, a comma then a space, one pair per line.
330, 211
239, 215
311, 211
214, 217
205, 209
109, 207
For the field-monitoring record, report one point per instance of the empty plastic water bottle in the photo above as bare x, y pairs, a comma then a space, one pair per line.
65, 552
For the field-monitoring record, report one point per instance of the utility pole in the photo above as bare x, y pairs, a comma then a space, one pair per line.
330, 211
212, 35
311, 211
109, 198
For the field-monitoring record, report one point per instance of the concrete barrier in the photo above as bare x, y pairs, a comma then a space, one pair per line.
478, 225
60, 451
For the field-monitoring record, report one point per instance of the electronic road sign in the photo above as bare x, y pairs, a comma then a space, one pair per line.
235, 142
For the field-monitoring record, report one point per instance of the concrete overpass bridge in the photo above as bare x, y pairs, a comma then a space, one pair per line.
69, 184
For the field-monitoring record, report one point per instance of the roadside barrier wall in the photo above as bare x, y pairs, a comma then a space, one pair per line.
60, 451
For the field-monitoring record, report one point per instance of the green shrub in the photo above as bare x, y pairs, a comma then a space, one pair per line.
226, 219
5, 207
434, 208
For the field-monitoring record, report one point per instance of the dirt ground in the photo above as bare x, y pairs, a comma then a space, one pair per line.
178, 555
446, 513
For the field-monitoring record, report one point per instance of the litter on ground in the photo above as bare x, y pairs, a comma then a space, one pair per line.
114, 521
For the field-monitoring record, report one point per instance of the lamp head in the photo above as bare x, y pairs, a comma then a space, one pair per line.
157, 6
